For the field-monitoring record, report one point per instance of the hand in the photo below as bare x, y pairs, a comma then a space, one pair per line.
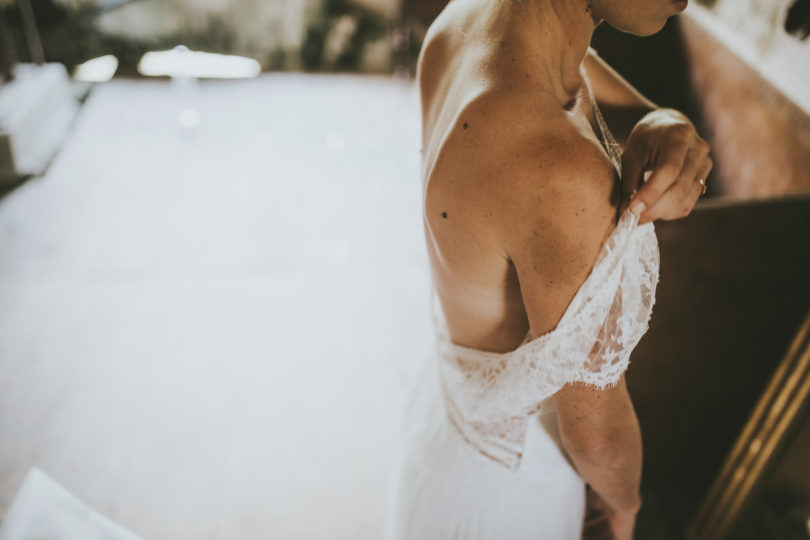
666, 145
602, 523
622, 525
596, 526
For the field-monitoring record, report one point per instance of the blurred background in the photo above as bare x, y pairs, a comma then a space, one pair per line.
368, 36
214, 292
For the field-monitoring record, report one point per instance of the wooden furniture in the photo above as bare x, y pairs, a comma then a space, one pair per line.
732, 295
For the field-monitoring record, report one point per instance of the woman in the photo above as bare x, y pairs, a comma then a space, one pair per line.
544, 263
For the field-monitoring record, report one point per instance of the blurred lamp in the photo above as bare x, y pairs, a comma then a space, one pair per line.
181, 62
97, 70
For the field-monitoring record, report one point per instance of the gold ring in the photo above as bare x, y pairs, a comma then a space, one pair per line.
702, 182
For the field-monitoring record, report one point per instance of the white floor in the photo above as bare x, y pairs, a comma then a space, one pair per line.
207, 332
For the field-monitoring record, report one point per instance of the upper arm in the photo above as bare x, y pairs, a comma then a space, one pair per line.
554, 242
565, 210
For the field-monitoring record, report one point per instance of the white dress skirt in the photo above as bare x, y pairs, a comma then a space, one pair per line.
445, 489
480, 456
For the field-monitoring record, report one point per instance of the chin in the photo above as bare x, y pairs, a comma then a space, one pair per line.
655, 29
652, 27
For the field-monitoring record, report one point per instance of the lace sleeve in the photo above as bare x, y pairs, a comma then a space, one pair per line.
489, 396
626, 321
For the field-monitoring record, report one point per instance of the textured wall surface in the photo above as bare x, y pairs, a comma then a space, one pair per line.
760, 136
755, 31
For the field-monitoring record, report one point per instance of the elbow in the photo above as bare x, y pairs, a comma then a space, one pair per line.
612, 447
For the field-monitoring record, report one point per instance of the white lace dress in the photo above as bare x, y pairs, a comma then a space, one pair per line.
481, 456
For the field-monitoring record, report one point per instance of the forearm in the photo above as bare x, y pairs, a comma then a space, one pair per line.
612, 465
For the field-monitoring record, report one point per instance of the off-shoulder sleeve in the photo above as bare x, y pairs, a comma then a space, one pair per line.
489, 396
627, 319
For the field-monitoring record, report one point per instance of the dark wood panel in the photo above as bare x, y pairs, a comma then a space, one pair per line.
733, 290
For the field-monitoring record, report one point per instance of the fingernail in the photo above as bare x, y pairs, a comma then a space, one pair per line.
638, 207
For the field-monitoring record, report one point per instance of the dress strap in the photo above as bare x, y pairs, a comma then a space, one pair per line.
612, 148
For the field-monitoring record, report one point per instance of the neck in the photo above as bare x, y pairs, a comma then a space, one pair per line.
551, 34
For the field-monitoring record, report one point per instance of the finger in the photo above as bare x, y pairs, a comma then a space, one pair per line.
704, 169
681, 197
665, 173
678, 200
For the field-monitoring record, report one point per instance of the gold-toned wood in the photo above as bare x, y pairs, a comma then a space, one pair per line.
777, 411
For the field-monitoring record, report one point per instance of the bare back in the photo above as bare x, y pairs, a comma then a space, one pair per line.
485, 119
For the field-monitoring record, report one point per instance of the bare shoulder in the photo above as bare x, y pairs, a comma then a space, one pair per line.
558, 206
528, 167
560, 183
